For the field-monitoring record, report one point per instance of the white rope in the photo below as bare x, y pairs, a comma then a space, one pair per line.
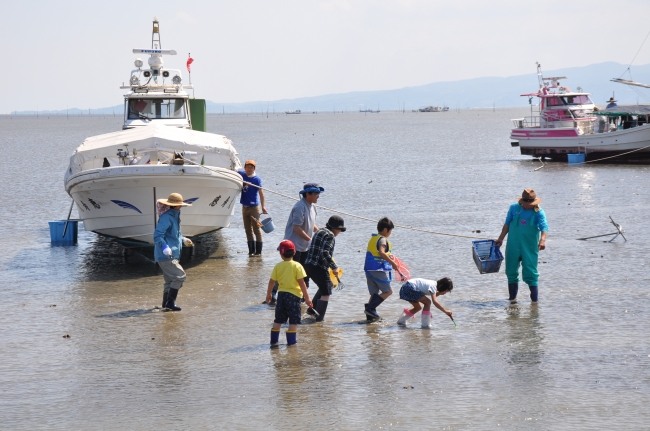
611, 157
346, 213
590, 161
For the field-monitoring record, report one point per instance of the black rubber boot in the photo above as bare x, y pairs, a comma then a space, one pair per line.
251, 248
258, 248
371, 307
534, 292
321, 308
513, 289
165, 293
314, 301
171, 300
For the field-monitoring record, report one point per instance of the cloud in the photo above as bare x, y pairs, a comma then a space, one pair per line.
185, 17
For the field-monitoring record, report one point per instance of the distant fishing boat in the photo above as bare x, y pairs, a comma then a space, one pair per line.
432, 109
570, 123
115, 179
297, 111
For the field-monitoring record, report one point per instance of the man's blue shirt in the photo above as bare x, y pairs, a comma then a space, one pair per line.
249, 194
540, 216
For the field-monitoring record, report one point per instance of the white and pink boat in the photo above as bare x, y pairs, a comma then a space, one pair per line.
568, 122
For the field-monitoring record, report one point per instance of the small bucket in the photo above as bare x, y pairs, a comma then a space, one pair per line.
267, 225
56, 232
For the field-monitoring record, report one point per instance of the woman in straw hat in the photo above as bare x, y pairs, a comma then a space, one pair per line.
168, 243
527, 229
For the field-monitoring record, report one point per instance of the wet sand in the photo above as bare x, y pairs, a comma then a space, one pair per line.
579, 360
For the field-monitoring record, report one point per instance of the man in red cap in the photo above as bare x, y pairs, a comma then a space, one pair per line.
252, 196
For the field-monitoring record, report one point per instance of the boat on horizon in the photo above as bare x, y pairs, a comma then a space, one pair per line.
432, 109
115, 179
297, 111
568, 122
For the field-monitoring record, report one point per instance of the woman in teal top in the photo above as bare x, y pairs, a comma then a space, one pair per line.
527, 229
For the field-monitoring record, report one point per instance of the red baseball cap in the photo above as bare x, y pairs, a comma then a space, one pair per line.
286, 245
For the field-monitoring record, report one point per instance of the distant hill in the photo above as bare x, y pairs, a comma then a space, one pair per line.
478, 92
468, 93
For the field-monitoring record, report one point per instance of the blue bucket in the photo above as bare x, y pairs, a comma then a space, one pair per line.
575, 158
267, 225
56, 232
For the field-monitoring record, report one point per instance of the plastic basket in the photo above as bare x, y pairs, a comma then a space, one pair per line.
487, 256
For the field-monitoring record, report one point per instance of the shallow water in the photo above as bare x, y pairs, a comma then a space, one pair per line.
579, 360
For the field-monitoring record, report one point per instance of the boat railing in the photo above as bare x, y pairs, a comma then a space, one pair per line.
527, 122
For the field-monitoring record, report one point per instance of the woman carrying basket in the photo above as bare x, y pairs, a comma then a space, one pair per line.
527, 229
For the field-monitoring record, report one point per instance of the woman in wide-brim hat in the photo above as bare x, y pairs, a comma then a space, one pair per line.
168, 243
527, 230
174, 200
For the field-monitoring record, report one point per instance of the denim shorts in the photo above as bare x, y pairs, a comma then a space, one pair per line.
410, 293
287, 307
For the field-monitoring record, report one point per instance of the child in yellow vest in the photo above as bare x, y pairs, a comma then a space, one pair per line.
378, 267
289, 275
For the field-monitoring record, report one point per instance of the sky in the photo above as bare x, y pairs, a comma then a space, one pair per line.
65, 53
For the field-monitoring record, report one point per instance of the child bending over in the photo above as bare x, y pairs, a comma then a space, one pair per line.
415, 291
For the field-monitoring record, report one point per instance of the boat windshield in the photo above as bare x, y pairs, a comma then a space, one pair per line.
582, 99
156, 108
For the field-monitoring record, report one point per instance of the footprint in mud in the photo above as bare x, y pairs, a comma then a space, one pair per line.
131, 313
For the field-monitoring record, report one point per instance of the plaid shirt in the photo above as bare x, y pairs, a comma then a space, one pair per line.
321, 249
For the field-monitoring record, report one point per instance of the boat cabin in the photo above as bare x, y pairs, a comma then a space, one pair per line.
157, 95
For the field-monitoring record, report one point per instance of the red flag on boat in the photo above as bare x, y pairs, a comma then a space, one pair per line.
189, 62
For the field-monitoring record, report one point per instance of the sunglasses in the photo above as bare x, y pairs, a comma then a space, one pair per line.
528, 200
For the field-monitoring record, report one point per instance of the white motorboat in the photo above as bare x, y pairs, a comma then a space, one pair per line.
115, 179
570, 123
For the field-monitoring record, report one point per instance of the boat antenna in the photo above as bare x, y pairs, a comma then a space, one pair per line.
155, 34
540, 79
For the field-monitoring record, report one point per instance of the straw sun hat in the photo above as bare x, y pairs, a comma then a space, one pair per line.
530, 197
174, 200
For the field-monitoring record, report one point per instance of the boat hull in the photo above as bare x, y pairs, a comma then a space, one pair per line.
628, 145
120, 202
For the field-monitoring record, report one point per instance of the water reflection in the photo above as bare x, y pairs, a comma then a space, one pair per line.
525, 336
106, 260
525, 353
168, 360
290, 375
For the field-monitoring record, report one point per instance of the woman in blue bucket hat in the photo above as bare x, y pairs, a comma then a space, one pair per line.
302, 224
527, 229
